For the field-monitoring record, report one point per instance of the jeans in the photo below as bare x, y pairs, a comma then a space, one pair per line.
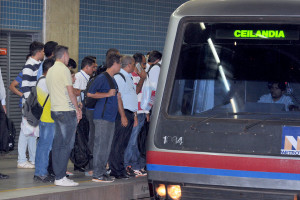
102, 145
132, 155
90, 117
44, 146
119, 144
63, 142
23, 142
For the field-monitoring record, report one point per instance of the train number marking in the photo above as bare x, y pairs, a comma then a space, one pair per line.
173, 139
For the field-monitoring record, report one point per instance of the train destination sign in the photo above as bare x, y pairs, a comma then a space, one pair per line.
272, 34
259, 33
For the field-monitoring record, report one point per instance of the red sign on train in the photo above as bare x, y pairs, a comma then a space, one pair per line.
3, 51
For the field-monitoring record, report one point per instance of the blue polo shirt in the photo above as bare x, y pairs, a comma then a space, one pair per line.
111, 109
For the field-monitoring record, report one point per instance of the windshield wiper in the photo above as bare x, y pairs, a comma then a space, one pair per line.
219, 115
248, 127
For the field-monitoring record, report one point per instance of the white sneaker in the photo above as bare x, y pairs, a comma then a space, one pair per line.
65, 182
138, 173
26, 165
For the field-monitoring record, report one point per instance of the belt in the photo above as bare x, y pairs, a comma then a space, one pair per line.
128, 111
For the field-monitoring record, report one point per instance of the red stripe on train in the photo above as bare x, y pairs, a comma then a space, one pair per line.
224, 162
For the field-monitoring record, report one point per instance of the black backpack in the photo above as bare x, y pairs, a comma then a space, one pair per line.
91, 102
11, 134
81, 154
7, 134
32, 110
88, 101
101, 68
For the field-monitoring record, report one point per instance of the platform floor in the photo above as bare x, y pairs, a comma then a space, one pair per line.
20, 185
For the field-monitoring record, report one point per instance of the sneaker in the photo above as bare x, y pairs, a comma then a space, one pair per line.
26, 165
104, 179
130, 171
112, 177
137, 173
89, 173
144, 172
3, 176
43, 179
65, 182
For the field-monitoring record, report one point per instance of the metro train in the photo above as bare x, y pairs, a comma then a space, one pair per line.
226, 119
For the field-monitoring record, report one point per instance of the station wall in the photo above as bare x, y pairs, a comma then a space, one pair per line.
21, 15
128, 25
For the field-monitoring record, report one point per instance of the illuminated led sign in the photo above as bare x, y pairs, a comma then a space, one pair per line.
259, 33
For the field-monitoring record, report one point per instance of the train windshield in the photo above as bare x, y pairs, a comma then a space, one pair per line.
237, 68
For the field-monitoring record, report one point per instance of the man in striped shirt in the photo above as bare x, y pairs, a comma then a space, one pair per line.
29, 80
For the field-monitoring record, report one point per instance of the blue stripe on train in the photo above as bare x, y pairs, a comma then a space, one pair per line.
223, 172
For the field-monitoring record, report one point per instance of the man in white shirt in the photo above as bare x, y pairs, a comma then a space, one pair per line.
81, 80
276, 95
83, 76
154, 70
133, 162
2, 116
126, 117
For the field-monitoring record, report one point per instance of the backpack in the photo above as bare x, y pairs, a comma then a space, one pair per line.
11, 134
32, 110
101, 68
7, 134
81, 154
90, 102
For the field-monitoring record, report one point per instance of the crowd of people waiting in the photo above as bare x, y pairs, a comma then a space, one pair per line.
115, 119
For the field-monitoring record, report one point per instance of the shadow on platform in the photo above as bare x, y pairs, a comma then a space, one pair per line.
20, 185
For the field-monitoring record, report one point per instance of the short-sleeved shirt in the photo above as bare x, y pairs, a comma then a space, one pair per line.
81, 82
136, 79
2, 88
57, 79
286, 100
29, 75
101, 85
42, 93
153, 75
19, 80
128, 91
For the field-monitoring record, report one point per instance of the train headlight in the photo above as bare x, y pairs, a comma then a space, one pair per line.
161, 190
174, 191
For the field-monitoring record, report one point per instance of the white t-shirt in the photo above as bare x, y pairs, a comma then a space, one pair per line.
286, 100
154, 75
81, 81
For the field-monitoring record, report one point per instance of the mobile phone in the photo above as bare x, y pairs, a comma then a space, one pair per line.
139, 67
